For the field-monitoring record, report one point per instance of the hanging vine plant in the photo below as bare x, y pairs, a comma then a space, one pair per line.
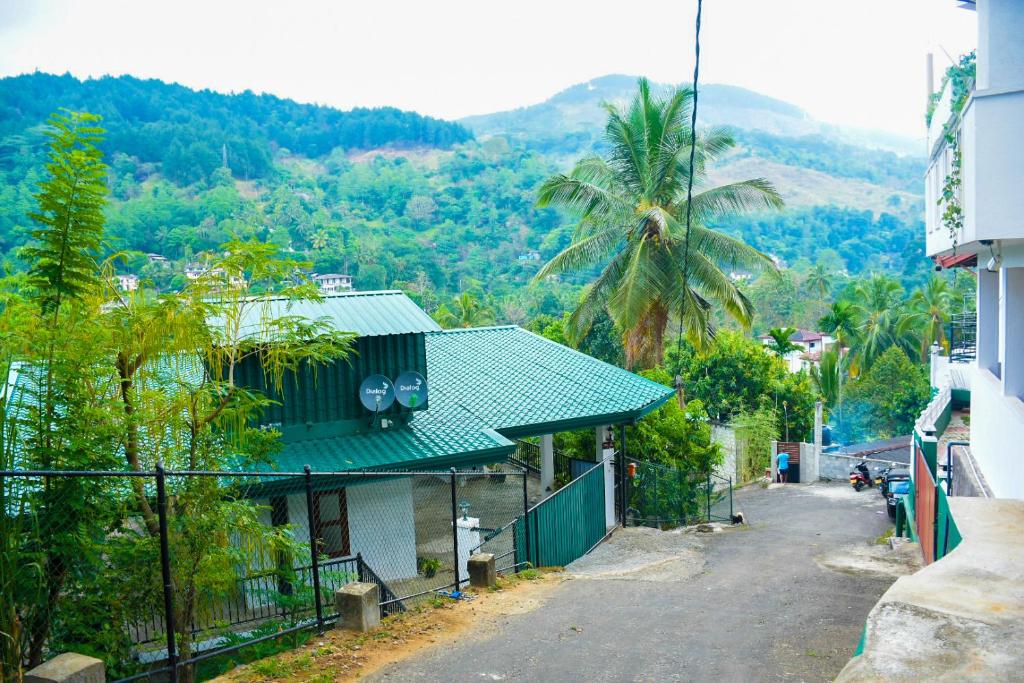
949, 199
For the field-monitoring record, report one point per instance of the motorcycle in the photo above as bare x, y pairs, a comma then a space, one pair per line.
860, 476
882, 475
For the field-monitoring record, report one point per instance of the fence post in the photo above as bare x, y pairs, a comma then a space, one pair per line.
708, 494
455, 533
313, 540
526, 526
730, 500
165, 570
622, 474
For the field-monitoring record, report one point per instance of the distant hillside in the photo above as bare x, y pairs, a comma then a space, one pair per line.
190, 131
812, 163
574, 116
401, 200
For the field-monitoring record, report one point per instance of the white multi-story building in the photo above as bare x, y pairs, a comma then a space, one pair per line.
812, 345
127, 283
987, 133
332, 283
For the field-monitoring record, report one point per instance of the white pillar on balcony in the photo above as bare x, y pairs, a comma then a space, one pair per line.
547, 463
988, 318
1012, 303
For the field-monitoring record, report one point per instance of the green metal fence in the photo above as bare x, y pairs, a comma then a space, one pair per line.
662, 496
947, 535
564, 526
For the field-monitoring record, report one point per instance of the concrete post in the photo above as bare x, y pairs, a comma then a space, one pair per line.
988, 319
469, 539
819, 411
547, 463
1013, 362
358, 606
68, 668
775, 462
482, 573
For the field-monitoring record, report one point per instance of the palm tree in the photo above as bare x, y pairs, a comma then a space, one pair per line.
930, 305
882, 319
466, 311
780, 344
827, 377
819, 281
841, 322
632, 210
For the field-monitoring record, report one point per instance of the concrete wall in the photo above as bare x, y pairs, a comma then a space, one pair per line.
833, 466
997, 435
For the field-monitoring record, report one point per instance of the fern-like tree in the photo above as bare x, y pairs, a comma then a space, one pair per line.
52, 341
631, 205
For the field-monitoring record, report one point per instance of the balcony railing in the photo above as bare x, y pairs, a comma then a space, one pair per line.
962, 332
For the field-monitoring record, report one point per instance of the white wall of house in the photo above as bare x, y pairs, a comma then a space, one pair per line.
997, 435
383, 528
381, 525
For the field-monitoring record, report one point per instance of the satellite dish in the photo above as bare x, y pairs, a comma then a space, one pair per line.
411, 389
376, 393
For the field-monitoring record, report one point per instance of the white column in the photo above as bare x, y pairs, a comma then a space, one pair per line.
1013, 350
547, 463
988, 319
469, 538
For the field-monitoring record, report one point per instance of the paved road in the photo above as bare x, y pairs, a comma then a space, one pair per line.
743, 605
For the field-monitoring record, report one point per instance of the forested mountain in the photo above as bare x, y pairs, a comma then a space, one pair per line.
399, 199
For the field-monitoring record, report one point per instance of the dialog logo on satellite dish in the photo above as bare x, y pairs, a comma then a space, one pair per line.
411, 389
376, 393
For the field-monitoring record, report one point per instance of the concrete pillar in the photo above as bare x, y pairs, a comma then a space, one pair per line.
469, 539
68, 667
482, 573
358, 606
1013, 304
988, 319
547, 463
815, 473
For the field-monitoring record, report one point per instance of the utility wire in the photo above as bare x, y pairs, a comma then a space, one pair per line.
689, 193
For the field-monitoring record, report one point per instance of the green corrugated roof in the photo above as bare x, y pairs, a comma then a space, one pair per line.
367, 314
521, 384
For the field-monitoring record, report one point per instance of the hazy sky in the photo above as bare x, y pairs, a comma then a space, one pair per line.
844, 61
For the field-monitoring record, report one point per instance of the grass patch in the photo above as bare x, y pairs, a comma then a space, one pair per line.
884, 538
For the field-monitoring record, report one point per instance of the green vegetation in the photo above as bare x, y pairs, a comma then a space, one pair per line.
113, 380
398, 200
632, 208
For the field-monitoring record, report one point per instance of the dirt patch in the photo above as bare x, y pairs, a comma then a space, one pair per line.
642, 554
346, 656
874, 559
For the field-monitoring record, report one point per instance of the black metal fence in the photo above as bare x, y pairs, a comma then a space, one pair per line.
962, 332
173, 569
662, 496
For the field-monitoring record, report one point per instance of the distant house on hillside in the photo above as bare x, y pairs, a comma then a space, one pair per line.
812, 345
193, 271
157, 258
333, 283
127, 283
529, 256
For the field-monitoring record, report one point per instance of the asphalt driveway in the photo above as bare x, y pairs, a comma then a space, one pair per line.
776, 600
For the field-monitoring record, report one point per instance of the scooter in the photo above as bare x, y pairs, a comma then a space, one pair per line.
860, 476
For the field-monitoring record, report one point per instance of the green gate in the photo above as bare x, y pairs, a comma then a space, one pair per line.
564, 526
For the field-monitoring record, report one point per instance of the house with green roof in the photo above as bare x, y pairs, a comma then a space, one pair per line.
485, 387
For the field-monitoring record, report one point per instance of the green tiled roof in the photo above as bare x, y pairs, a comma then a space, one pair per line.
522, 384
368, 314
488, 385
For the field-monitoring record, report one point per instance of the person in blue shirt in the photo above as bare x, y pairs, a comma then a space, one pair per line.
783, 461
